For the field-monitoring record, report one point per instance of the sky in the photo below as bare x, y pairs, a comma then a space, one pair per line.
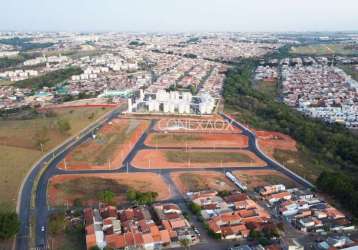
179, 15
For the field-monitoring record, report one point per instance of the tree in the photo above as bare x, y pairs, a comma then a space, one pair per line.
9, 225
195, 208
141, 198
106, 196
56, 223
41, 138
223, 193
131, 195
63, 126
185, 243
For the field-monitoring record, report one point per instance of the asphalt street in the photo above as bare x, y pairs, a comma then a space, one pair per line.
40, 212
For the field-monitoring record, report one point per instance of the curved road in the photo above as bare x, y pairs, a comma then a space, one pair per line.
41, 208
25, 194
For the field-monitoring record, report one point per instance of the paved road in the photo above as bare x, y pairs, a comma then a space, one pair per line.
24, 204
254, 147
41, 208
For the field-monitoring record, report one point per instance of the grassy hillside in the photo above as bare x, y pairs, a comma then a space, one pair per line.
19, 145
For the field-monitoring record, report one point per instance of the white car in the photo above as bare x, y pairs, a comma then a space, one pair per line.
43, 229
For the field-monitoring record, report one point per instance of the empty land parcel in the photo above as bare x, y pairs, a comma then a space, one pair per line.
196, 159
20, 140
84, 188
109, 148
324, 49
196, 140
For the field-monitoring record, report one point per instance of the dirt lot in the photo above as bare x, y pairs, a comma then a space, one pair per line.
195, 159
260, 178
110, 147
63, 189
213, 124
18, 143
196, 140
269, 141
196, 181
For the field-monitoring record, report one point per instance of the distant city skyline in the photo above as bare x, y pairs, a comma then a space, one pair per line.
179, 15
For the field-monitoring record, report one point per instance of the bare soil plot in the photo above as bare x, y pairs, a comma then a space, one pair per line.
269, 141
197, 181
84, 188
214, 124
196, 140
259, 178
110, 147
195, 159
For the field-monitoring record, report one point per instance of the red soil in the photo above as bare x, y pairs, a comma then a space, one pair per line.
204, 140
156, 159
121, 152
212, 124
269, 141
143, 182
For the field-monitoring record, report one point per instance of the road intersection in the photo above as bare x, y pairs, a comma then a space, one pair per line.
47, 168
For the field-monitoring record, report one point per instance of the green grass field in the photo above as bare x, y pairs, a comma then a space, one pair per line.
19, 150
206, 157
323, 49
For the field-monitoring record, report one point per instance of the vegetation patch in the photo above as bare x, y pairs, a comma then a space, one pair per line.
21, 137
178, 138
105, 145
206, 157
324, 49
331, 145
50, 79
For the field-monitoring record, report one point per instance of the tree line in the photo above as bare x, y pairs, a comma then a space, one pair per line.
333, 145
50, 79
